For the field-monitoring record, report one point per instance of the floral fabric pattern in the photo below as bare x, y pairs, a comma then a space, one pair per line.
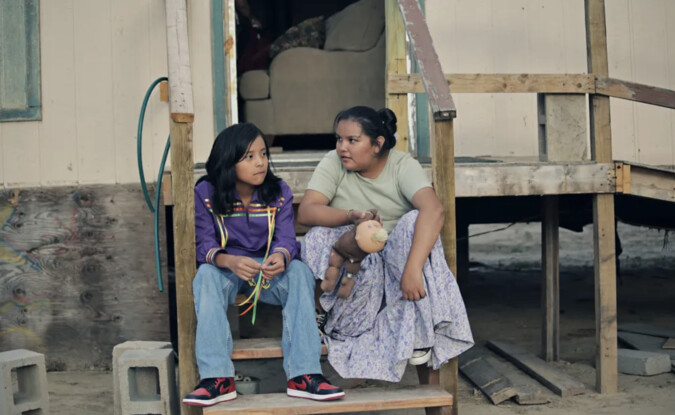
309, 33
372, 333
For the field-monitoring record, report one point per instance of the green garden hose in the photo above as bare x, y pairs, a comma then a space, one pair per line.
154, 209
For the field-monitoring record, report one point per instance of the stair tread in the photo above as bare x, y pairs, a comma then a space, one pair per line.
260, 348
362, 399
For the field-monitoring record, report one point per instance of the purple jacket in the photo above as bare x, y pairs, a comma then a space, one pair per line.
244, 232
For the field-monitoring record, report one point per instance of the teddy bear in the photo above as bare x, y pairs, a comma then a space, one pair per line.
366, 237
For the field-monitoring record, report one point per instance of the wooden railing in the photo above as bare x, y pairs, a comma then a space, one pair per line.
540, 83
443, 160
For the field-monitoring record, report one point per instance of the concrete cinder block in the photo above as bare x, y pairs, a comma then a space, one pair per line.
147, 382
638, 362
23, 383
117, 352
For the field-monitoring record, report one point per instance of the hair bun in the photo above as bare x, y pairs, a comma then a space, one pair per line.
389, 123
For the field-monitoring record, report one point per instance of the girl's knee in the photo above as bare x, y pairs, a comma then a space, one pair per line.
300, 271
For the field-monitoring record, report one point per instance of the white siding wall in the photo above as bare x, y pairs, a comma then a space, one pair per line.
98, 59
548, 36
99, 56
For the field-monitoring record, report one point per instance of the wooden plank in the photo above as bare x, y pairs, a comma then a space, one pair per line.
550, 376
77, 275
606, 367
651, 183
498, 179
178, 56
498, 83
260, 348
550, 278
184, 254
648, 329
632, 91
669, 344
488, 378
528, 390
356, 400
440, 99
396, 64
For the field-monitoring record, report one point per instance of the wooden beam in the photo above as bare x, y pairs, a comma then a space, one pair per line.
231, 63
550, 280
497, 179
606, 367
552, 377
184, 255
440, 99
178, 55
396, 64
646, 94
443, 177
649, 182
498, 83
356, 400
182, 180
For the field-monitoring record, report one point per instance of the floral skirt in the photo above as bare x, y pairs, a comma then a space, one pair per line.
372, 333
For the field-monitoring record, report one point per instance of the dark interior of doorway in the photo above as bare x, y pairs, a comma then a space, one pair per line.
276, 17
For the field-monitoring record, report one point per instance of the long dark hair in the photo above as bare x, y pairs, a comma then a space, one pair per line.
373, 123
229, 148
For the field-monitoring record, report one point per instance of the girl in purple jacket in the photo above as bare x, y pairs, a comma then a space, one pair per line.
243, 212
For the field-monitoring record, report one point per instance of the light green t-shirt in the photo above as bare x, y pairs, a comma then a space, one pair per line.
390, 193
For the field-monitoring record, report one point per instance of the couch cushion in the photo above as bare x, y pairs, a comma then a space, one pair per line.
254, 85
309, 33
357, 27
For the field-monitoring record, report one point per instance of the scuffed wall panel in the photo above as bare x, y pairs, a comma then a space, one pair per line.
77, 273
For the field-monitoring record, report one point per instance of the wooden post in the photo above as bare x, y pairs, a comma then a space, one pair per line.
443, 155
443, 172
396, 64
550, 280
182, 166
606, 368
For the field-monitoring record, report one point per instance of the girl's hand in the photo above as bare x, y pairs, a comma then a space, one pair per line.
412, 284
244, 267
273, 266
356, 215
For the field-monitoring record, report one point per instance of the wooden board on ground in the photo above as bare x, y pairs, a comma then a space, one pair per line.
549, 375
645, 343
669, 344
367, 399
648, 329
490, 381
528, 390
260, 348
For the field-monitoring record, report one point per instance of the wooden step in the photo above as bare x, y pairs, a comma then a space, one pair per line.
356, 400
260, 348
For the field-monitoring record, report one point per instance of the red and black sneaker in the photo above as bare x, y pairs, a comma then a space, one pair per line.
211, 391
314, 387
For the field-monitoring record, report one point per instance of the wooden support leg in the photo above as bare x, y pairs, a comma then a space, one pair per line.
550, 281
449, 381
428, 376
606, 368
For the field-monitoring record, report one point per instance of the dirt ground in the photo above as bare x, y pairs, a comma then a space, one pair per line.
502, 295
